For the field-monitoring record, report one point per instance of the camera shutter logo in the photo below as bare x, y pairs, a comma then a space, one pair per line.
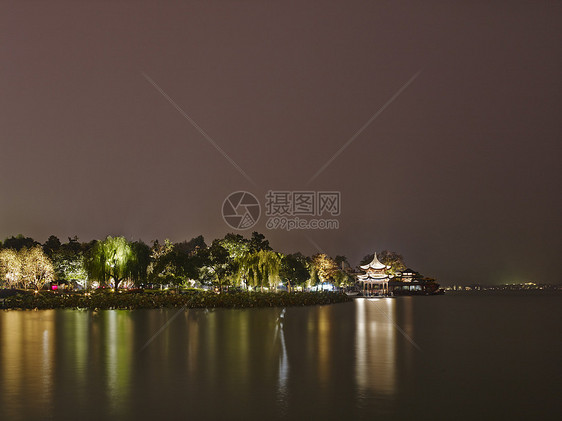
241, 210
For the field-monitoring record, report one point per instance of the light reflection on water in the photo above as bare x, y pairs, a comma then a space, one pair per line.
283, 361
375, 347
30, 354
346, 361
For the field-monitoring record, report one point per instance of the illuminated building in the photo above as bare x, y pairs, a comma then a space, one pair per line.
375, 280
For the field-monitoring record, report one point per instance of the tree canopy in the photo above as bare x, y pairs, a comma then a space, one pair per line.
111, 259
294, 270
232, 260
259, 269
26, 267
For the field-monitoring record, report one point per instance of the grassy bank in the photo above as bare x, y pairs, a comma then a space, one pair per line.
149, 299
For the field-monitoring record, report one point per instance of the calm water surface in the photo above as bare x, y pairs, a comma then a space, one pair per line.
451, 357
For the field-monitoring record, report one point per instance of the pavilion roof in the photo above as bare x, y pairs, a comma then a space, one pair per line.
375, 264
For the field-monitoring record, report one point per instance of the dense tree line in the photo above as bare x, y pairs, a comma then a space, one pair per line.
232, 261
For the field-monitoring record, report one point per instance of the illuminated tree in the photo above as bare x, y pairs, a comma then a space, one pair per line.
313, 278
68, 260
294, 270
37, 268
215, 264
259, 269
342, 278
26, 267
171, 264
160, 269
236, 246
220, 263
325, 266
10, 267
70, 266
392, 259
112, 258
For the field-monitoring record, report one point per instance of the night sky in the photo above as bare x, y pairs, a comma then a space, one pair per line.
460, 172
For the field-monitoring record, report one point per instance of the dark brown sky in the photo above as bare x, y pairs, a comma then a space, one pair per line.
461, 173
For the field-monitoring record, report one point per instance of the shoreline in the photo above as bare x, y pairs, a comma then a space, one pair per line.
126, 300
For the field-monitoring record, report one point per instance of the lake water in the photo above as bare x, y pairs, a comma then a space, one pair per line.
453, 357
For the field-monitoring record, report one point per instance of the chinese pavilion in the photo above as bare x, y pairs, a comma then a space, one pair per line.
375, 280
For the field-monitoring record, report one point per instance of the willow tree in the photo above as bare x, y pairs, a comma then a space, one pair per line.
259, 269
111, 259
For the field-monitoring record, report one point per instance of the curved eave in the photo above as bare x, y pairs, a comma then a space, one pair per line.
368, 278
375, 264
